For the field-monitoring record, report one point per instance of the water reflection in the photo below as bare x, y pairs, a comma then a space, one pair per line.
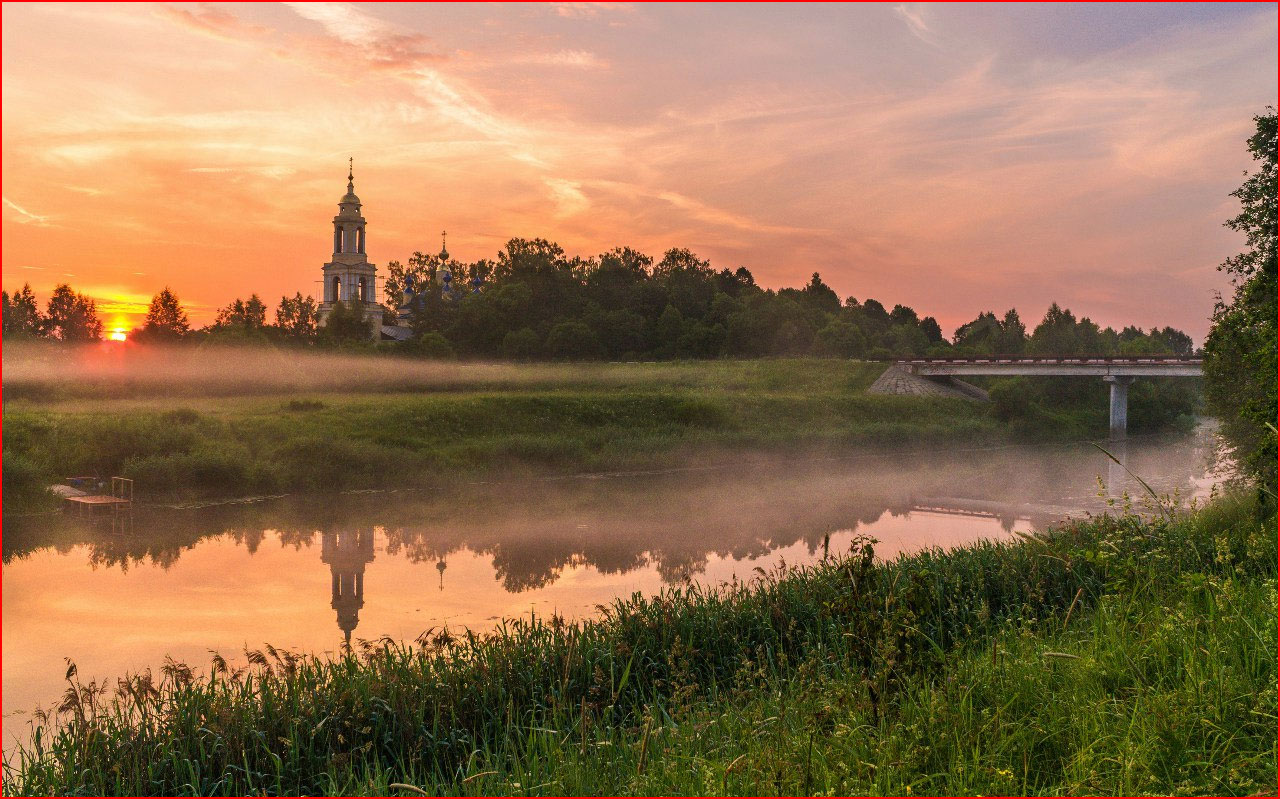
121, 594
347, 553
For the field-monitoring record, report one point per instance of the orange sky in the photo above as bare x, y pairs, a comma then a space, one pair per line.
953, 158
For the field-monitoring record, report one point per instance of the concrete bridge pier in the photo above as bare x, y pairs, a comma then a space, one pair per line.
1119, 405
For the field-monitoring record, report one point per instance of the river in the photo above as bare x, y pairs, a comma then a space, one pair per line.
119, 594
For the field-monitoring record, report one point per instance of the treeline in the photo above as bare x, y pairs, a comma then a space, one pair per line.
534, 302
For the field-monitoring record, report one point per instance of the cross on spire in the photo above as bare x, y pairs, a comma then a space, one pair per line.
444, 250
351, 186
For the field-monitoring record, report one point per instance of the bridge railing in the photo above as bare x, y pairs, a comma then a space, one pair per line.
1068, 359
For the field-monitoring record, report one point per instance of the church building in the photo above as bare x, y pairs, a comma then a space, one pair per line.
349, 278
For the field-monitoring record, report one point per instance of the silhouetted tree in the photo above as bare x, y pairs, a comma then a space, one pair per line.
296, 316
21, 313
166, 320
71, 316
246, 315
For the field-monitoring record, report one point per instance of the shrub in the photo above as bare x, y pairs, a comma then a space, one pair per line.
573, 340
432, 345
25, 484
521, 345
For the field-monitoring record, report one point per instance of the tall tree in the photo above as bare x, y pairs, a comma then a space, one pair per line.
246, 315
166, 319
1056, 334
296, 316
71, 316
1240, 352
21, 313
1013, 334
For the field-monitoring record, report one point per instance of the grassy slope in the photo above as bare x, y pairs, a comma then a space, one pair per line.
583, 418
1110, 657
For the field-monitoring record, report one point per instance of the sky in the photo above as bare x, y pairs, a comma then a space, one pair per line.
954, 158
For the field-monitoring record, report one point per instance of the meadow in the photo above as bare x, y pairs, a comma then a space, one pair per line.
1132, 653
197, 424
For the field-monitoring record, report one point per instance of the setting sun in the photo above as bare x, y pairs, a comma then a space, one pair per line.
118, 334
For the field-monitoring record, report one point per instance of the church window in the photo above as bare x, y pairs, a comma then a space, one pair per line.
337, 289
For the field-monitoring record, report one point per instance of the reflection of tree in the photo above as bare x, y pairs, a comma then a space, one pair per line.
533, 530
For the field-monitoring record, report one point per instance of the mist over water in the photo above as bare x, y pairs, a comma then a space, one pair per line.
42, 371
120, 594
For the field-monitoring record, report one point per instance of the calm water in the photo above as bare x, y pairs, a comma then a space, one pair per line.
120, 595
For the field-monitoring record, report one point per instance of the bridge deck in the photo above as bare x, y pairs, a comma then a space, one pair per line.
1099, 366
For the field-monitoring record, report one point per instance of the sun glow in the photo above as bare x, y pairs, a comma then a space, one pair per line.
118, 334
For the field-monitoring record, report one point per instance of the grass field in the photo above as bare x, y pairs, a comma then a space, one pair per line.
1121, 655
201, 424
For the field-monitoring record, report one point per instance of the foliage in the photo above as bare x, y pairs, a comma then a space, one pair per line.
21, 313
622, 305
1240, 352
535, 301
346, 323
296, 317
244, 315
432, 345
1070, 662
166, 320
71, 316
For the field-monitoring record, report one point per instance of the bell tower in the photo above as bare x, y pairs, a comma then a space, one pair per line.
349, 278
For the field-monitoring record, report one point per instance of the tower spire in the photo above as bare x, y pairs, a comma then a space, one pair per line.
444, 250
351, 186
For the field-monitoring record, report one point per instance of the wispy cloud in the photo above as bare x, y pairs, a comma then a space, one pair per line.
25, 217
946, 176
914, 15
567, 196
211, 20
591, 10
581, 59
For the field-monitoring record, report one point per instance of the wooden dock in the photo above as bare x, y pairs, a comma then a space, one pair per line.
120, 498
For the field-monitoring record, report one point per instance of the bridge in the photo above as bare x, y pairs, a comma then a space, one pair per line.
1118, 371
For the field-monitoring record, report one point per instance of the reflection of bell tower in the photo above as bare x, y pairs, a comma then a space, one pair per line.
347, 553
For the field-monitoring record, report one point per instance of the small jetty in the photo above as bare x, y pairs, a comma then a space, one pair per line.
76, 491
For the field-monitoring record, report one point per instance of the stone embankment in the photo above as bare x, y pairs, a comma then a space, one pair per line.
897, 380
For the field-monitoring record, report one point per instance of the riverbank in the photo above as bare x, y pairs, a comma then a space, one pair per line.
539, 421
1118, 655
224, 424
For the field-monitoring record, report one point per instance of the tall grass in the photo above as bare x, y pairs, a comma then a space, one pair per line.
665, 693
230, 446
